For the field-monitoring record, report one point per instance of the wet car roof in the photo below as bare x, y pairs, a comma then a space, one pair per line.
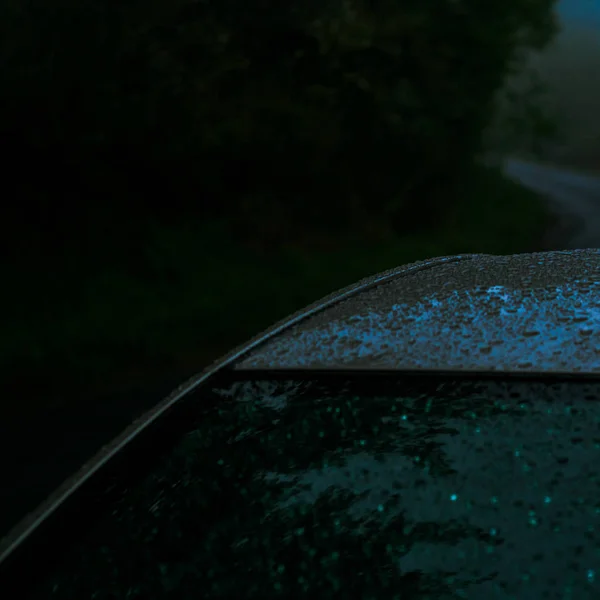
521, 313
537, 312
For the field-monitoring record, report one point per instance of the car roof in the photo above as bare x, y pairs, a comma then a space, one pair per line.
526, 313
425, 314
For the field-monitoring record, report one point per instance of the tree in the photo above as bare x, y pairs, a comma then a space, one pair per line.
332, 112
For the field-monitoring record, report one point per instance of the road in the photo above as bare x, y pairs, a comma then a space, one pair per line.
573, 197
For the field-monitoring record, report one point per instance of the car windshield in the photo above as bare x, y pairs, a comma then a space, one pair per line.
365, 487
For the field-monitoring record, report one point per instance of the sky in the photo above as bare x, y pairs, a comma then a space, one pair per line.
580, 10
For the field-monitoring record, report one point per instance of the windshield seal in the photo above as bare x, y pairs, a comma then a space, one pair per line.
409, 374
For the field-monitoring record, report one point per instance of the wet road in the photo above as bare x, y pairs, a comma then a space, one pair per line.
572, 196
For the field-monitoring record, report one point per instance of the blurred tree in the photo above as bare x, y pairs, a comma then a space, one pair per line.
283, 116
524, 123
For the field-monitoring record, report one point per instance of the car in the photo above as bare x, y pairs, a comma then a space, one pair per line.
429, 432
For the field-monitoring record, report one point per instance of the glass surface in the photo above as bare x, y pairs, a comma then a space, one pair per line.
371, 488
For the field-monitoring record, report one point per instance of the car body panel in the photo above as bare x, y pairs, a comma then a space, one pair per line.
526, 313
464, 312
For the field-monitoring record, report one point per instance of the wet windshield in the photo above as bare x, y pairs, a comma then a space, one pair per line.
369, 488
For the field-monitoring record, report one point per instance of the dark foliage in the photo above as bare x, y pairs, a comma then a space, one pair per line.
282, 116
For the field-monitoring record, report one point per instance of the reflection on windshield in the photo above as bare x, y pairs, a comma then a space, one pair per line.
365, 489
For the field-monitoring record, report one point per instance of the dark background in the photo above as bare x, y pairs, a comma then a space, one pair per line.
178, 174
